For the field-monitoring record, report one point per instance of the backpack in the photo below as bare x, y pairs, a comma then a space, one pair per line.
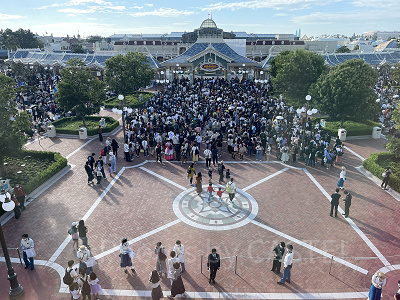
162, 256
189, 170
229, 188
70, 231
196, 151
67, 279
85, 288
102, 152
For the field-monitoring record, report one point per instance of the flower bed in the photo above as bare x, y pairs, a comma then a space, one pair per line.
131, 100
72, 125
32, 168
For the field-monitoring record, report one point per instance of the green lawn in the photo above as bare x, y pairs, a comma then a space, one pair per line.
72, 125
353, 128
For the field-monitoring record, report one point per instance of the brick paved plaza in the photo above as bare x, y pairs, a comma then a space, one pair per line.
147, 202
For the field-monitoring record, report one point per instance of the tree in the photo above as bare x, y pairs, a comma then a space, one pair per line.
79, 90
93, 39
396, 73
78, 49
356, 47
295, 72
18, 39
347, 91
13, 124
343, 49
127, 73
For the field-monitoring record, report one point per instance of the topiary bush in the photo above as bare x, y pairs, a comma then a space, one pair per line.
353, 128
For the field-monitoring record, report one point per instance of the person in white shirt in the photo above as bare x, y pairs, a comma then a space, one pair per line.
27, 243
180, 254
207, 155
145, 146
72, 271
231, 189
287, 265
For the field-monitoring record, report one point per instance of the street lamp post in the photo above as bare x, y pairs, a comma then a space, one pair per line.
16, 290
121, 98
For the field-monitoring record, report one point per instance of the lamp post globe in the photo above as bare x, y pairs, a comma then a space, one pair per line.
308, 97
16, 290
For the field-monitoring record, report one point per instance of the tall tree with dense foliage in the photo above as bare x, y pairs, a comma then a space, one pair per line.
13, 124
127, 73
347, 91
343, 49
18, 39
294, 72
79, 90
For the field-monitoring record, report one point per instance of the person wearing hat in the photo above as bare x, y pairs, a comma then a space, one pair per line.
126, 255
287, 265
378, 281
73, 231
279, 250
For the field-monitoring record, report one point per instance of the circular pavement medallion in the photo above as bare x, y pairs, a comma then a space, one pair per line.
197, 211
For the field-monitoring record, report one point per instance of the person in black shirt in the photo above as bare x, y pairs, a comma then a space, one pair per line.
279, 250
335, 202
347, 203
213, 264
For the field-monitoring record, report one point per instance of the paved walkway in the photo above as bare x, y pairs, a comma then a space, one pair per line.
147, 202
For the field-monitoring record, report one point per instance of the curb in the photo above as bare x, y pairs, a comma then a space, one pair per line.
73, 136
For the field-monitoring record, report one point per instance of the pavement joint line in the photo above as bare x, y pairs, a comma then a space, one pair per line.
264, 179
354, 153
377, 181
79, 148
47, 185
163, 178
312, 248
64, 244
351, 223
35, 140
137, 239
208, 295
138, 165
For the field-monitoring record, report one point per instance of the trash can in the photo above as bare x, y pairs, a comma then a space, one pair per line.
342, 134
83, 133
376, 132
51, 131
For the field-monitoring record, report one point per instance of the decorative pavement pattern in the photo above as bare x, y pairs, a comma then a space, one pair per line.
148, 202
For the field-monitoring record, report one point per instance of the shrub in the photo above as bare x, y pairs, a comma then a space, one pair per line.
353, 128
131, 100
42, 175
71, 125
378, 162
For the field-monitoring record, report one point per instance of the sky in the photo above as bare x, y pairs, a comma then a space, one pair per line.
106, 17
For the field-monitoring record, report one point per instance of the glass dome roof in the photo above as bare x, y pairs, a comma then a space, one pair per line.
208, 23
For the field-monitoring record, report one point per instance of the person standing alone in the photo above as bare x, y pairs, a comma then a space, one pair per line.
213, 264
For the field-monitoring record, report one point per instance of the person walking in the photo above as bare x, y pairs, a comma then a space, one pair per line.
28, 251
20, 194
386, 176
347, 203
161, 264
113, 162
89, 173
95, 287
279, 250
180, 254
73, 231
195, 154
334, 202
213, 264
84, 285
199, 180
378, 282
342, 178
287, 265
156, 292
207, 156
177, 287
210, 190
159, 153
126, 255
82, 229
190, 173
221, 169
231, 189
85, 261
126, 152
100, 134
114, 147
171, 262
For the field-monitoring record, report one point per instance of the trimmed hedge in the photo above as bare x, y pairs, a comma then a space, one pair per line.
378, 162
41, 177
68, 125
131, 100
353, 128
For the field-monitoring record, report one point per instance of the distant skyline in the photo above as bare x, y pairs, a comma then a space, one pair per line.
106, 17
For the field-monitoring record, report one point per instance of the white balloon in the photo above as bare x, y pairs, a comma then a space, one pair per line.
308, 97
114, 110
309, 113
